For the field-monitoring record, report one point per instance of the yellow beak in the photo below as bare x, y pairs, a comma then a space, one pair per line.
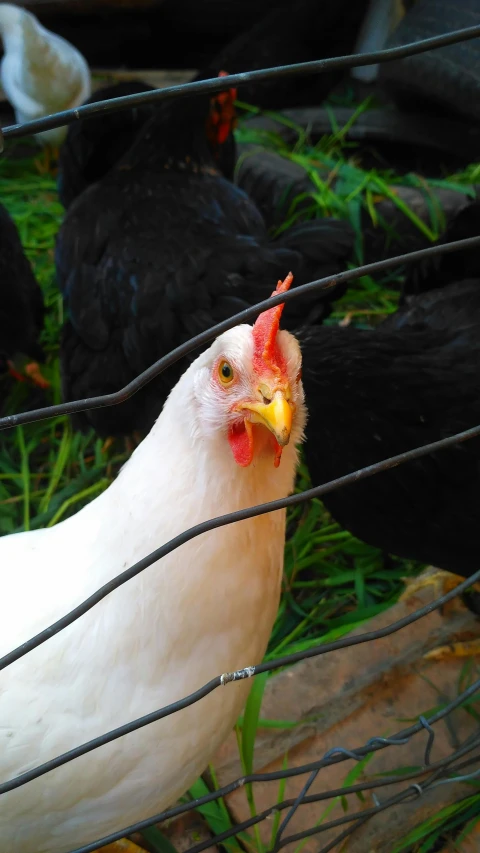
276, 416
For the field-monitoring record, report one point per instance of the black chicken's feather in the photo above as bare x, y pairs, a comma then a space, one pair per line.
413, 380
93, 146
21, 305
161, 249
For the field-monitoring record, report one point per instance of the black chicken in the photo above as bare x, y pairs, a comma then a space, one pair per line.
413, 380
435, 272
163, 247
94, 145
21, 308
293, 31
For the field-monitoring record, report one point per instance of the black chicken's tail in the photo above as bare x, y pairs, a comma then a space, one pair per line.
441, 270
324, 247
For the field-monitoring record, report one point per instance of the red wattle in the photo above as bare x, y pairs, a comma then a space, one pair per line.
240, 438
277, 452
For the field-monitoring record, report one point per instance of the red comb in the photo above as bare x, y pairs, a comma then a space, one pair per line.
222, 118
224, 97
266, 352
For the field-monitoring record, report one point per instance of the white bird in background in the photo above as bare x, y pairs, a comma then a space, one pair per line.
205, 609
41, 73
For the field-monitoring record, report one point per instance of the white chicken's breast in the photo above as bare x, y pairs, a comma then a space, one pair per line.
41, 73
204, 609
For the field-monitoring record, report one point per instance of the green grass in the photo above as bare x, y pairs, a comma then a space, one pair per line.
332, 581
47, 471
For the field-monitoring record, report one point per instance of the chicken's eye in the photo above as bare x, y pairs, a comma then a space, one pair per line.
225, 372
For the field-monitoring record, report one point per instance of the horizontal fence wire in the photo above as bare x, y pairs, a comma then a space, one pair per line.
431, 774
344, 791
231, 518
221, 84
249, 672
333, 756
104, 400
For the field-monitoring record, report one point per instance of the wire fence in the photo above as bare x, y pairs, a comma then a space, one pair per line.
436, 773
454, 768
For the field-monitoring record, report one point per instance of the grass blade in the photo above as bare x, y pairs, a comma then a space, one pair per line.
25, 471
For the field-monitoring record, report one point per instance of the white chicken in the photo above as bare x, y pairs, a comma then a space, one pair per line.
205, 609
41, 73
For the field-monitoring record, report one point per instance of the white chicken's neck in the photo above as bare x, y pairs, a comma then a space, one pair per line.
134, 515
204, 609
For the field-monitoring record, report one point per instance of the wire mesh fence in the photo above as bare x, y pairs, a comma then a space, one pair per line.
460, 764
434, 773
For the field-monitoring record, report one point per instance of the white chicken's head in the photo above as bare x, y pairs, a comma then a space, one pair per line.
248, 385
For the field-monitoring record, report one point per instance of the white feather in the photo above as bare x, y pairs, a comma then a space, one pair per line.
205, 609
41, 73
